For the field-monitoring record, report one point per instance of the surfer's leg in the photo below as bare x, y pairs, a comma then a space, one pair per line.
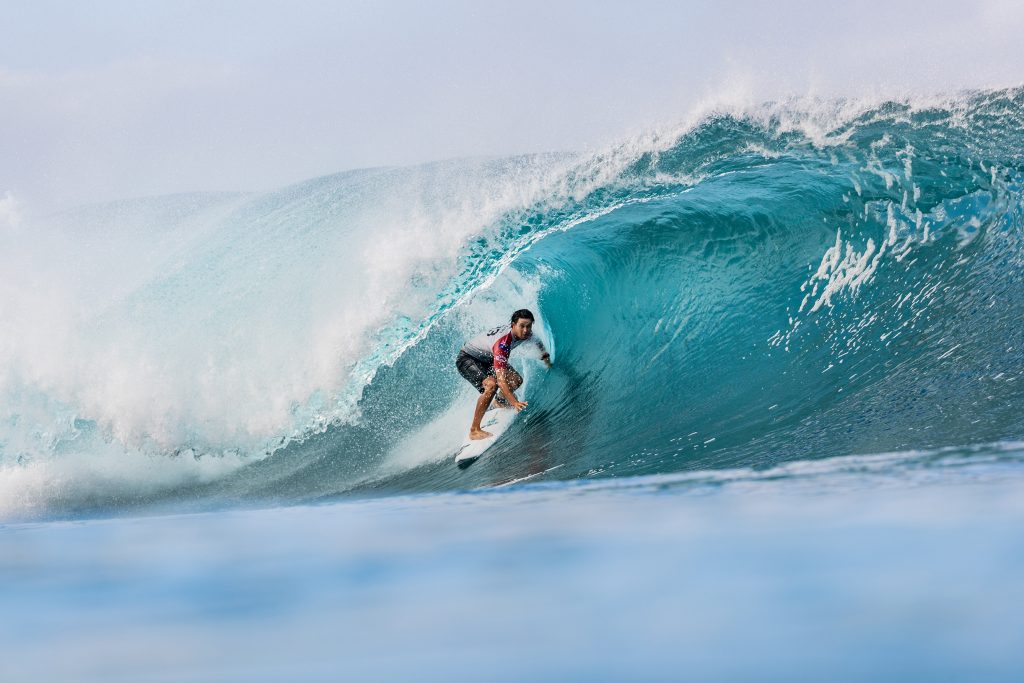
490, 387
478, 374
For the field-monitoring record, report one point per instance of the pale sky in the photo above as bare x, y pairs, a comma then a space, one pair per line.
107, 100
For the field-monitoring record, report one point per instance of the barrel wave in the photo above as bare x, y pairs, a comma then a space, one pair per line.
788, 281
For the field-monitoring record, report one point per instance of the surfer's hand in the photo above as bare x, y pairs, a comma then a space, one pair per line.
519, 405
547, 360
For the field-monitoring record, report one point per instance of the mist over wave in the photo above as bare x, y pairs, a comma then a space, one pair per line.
793, 280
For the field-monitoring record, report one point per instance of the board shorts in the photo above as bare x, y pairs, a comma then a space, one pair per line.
475, 371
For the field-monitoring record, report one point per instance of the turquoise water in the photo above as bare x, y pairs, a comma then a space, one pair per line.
781, 433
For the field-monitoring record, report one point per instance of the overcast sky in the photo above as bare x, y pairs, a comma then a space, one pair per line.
105, 100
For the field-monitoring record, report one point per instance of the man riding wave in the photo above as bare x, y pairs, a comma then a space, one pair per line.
483, 361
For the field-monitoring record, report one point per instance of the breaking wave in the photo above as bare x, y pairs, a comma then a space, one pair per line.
792, 281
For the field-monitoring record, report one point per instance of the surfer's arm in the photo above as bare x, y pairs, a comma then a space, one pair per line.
506, 390
544, 355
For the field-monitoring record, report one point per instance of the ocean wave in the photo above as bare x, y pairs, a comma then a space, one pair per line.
789, 281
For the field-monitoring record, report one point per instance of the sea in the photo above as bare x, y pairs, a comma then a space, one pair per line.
782, 438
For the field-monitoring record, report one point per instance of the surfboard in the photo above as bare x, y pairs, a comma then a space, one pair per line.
495, 421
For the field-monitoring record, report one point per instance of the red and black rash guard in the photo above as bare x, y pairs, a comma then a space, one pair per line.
495, 346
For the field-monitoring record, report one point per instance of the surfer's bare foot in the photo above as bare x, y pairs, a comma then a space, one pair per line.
478, 434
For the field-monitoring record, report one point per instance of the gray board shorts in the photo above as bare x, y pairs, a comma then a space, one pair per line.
475, 371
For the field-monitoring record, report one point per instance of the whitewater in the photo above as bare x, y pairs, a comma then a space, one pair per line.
788, 361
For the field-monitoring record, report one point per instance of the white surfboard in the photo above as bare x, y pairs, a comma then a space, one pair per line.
495, 421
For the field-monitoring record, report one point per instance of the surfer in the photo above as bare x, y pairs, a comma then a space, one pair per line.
483, 361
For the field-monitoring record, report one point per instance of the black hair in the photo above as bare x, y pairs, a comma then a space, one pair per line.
521, 313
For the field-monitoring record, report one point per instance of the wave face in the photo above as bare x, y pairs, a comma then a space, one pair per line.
792, 281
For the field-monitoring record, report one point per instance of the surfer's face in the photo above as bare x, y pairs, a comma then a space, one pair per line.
522, 329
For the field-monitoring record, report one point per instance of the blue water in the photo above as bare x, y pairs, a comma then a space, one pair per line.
881, 568
781, 437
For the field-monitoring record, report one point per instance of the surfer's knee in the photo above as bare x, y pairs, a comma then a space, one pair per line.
490, 386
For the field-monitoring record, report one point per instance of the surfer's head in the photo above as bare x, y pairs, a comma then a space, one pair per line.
522, 324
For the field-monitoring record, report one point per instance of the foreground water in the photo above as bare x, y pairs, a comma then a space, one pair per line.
876, 568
